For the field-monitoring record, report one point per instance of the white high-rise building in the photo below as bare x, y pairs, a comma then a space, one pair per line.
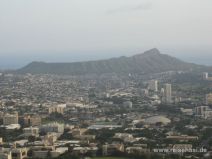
205, 75
153, 85
168, 93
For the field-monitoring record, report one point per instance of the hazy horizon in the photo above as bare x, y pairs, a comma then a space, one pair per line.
16, 62
68, 30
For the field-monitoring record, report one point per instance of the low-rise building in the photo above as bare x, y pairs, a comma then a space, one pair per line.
50, 138
57, 109
5, 154
52, 127
203, 112
78, 131
19, 153
111, 149
84, 150
9, 119
125, 137
183, 138
31, 131
1, 140
32, 120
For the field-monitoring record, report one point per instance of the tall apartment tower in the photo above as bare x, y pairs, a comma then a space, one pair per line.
205, 76
168, 93
153, 85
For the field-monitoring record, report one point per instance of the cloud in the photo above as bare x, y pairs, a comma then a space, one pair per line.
144, 6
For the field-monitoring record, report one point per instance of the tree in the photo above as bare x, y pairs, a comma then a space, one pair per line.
31, 138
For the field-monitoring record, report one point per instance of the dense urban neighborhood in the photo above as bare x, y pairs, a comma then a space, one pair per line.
161, 115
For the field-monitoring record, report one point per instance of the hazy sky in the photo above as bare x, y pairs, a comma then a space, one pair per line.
72, 30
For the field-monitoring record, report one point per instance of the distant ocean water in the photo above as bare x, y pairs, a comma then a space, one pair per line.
197, 59
16, 62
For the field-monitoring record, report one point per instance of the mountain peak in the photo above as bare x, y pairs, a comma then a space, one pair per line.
148, 53
153, 51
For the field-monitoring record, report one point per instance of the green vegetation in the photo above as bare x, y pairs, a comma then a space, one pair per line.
110, 158
13, 134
